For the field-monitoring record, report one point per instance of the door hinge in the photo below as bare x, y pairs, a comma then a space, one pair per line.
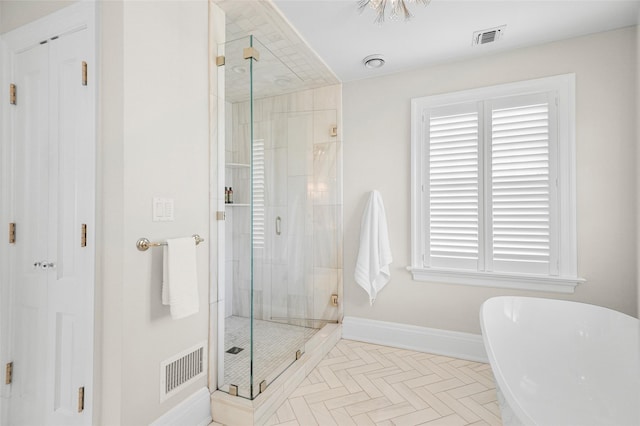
334, 300
233, 390
220, 215
12, 233
251, 53
8, 374
13, 94
83, 235
84, 73
220, 60
81, 399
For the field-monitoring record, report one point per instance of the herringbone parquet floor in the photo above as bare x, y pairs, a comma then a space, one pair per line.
363, 384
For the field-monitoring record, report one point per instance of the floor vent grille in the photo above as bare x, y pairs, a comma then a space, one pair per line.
182, 369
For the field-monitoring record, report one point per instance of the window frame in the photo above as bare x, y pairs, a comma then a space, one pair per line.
563, 87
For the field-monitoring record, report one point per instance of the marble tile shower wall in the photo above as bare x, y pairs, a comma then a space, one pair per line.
296, 272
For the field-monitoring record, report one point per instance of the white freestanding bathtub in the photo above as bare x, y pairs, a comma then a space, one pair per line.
562, 363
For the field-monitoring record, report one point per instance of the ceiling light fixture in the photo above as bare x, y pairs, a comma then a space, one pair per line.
373, 61
398, 8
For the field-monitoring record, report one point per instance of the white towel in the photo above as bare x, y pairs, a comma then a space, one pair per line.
372, 267
179, 278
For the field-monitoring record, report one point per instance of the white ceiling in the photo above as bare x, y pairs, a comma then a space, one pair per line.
442, 31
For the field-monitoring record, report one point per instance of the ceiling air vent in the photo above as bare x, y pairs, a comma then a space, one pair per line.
488, 36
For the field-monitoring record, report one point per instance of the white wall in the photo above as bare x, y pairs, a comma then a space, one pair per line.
110, 187
15, 13
153, 140
638, 157
377, 156
163, 150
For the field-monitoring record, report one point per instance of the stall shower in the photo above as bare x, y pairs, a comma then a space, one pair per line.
283, 214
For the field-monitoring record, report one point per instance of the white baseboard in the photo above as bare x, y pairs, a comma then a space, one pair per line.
442, 342
193, 411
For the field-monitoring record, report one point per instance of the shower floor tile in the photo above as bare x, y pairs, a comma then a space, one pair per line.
274, 345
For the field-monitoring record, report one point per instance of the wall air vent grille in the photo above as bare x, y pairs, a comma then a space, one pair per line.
488, 36
181, 370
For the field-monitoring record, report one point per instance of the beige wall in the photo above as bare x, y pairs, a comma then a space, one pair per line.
153, 140
377, 156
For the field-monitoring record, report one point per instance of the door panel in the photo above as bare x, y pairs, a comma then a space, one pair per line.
70, 280
31, 205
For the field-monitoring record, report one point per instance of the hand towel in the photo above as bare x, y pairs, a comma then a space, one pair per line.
374, 257
179, 277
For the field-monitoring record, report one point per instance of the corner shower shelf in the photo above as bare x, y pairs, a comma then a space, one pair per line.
237, 166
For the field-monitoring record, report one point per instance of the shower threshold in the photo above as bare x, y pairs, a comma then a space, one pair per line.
227, 409
274, 349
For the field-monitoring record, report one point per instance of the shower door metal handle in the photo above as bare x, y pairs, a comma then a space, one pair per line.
278, 225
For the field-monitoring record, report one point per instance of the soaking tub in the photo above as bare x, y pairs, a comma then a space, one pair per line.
562, 363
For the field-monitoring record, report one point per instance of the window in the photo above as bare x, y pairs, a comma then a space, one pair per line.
493, 186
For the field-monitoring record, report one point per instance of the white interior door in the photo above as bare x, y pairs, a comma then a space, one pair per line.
70, 191
31, 135
52, 259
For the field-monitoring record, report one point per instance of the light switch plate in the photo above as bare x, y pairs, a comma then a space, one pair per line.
163, 209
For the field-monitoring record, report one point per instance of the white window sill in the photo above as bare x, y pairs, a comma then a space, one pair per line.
495, 279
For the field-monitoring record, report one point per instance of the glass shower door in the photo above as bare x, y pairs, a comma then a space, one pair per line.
267, 249
235, 354
277, 340
282, 232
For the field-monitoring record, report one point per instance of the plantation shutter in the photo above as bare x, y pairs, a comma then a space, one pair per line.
493, 199
258, 189
520, 194
453, 182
